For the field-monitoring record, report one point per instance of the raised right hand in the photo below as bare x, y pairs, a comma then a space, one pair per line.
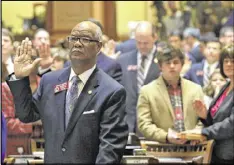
23, 63
200, 108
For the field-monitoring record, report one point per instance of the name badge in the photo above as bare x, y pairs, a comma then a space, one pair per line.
132, 67
61, 87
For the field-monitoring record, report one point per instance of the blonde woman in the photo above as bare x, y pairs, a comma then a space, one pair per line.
217, 81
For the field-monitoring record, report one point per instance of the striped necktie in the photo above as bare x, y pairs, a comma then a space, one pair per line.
72, 96
140, 73
207, 76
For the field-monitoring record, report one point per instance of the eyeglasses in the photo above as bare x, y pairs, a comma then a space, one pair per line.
81, 40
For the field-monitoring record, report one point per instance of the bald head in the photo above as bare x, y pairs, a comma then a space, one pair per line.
89, 27
145, 36
85, 44
145, 27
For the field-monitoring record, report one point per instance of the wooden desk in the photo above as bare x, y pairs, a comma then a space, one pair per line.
36, 161
139, 160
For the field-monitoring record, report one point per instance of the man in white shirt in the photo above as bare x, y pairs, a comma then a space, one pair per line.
200, 72
139, 67
41, 44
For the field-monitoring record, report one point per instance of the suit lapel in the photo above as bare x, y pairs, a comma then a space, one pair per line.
83, 100
133, 73
185, 98
60, 97
200, 78
227, 100
163, 90
153, 70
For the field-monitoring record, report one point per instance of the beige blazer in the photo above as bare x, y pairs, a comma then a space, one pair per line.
155, 114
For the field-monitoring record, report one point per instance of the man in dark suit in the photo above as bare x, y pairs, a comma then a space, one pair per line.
107, 64
139, 67
200, 72
191, 36
82, 109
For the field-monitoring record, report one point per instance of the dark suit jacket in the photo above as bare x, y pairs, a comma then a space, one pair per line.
195, 73
220, 128
98, 137
108, 65
126, 46
196, 55
130, 84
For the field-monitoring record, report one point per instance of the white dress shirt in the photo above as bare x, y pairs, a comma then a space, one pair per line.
83, 77
212, 67
148, 60
10, 65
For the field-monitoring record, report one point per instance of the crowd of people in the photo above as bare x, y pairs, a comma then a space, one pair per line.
85, 96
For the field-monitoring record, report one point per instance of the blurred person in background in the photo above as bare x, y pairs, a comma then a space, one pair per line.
200, 72
226, 36
130, 44
175, 39
229, 21
109, 46
140, 67
58, 62
7, 50
41, 45
173, 21
216, 82
191, 37
61, 48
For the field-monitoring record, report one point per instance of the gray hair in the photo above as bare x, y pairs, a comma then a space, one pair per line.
225, 29
99, 34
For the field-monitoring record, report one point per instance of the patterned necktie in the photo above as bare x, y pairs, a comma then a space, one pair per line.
140, 73
72, 97
207, 76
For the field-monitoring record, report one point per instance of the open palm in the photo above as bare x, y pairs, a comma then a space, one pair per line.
200, 108
23, 63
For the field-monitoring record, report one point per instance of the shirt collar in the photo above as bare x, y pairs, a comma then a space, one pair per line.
212, 66
196, 44
84, 76
149, 56
168, 85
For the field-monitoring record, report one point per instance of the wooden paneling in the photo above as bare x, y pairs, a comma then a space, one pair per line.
110, 19
64, 15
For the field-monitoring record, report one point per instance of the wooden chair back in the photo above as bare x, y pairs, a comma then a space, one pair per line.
185, 151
